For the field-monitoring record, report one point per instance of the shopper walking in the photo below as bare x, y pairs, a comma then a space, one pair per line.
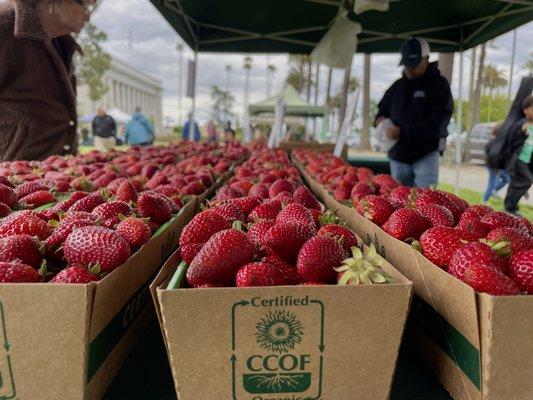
420, 106
520, 146
104, 131
196, 130
139, 130
211, 131
38, 115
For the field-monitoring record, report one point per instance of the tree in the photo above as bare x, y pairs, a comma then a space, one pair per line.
247, 68
271, 71
493, 78
222, 104
228, 70
94, 62
474, 114
298, 72
529, 67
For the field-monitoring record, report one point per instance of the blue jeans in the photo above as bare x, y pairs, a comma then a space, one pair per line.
498, 178
424, 173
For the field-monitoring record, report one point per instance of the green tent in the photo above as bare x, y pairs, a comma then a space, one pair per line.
296, 26
293, 105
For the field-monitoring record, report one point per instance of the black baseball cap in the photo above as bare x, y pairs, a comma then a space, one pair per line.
413, 51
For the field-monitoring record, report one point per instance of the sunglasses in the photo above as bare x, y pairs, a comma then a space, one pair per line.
88, 5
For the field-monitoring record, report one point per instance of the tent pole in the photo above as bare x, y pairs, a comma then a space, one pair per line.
193, 110
458, 156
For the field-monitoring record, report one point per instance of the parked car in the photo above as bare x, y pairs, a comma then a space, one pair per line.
479, 137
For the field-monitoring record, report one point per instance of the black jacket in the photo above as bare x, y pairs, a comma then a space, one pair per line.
514, 143
422, 109
104, 127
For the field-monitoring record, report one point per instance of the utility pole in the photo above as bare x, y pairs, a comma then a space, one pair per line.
510, 88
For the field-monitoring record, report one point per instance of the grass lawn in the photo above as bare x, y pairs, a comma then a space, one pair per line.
474, 197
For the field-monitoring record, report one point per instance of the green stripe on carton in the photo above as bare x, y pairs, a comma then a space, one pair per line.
450, 340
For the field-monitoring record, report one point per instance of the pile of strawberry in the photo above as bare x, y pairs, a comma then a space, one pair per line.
265, 228
90, 233
490, 250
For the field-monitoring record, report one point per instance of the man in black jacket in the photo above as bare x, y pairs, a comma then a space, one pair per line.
420, 106
104, 130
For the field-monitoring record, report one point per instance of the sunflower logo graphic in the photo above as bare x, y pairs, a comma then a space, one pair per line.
279, 331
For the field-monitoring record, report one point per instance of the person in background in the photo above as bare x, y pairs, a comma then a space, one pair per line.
139, 130
38, 116
186, 127
498, 178
420, 106
211, 131
520, 167
104, 130
229, 133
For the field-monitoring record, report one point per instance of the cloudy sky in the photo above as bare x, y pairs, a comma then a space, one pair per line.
153, 50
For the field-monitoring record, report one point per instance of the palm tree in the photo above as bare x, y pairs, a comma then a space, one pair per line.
247, 65
228, 70
271, 70
529, 67
298, 72
493, 78
222, 104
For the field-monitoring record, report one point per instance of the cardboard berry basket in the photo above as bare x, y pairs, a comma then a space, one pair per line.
69, 341
327, 147
285, 342
479, 346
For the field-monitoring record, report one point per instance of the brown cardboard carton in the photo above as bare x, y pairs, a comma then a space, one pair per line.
479, 346
291, 342
69, 341
328, 147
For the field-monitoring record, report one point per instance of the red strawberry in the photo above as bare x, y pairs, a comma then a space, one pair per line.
527, 224
518, 240
286, 239
489, 280
25, 222
246, 204
28, 188
521, 268
39, 198
88, 203
21, 248
362, 188
437, 197
259, 190
439, 244
66, 204
4, 210
281, 185
295, 212
154, 207
202, 227
474, 226
60, 234
399, 196
375, 208
189, 251
75, 275
289, 271
478, 210
349, 239
230, 212
220, 259
501, 219
304, 196
82, 184
341, 194
135, 231
475, 253
126, 192
193, 188
18, 273
109, 213
229, 192
260, 274
268, 210
256, 232
95, 244
406, 223
7, 195
437, 215
317, 259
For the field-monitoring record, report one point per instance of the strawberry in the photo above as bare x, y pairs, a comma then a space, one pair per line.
259, 190
109, 213
135, 231
230, 212
436, 215
268, 210
518, 240
521, 269
229, 192
362, 268
202, 227
90, 245
7, 195
527, 224
88, 203
15, 272
399, 196
289, 271
75, 275
348, 238
61, 232
246, 204
66, 204
304, 196
473, 225
4, 210
405, 223
82, 184
189, 251
281, 185
21, 248
28, 188
440, 243
260, 274
317, 259
256, 232
220, 259
126, 192
24, 222
478, 210
193, 188
475, 253
295, 212
437, 197
154, 207
286, 239
489, 280
341, 194
501, 219
375, 208
39, 198
362, 188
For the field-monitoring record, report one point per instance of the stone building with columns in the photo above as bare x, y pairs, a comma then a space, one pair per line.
127, 89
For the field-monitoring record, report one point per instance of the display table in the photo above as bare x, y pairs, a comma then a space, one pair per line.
378, 163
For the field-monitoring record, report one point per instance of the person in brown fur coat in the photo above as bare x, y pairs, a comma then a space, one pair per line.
37, 82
